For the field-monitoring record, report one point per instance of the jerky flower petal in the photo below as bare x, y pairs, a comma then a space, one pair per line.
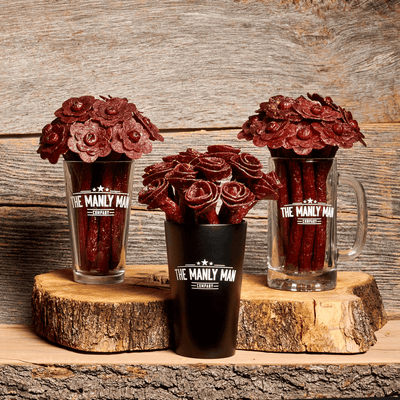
237, 200
53, 142
130, 138
90, 140
315, 110
111, 111
75, 109
202, 197
246, 166
212, 168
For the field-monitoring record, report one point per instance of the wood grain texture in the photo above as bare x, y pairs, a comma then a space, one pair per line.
137, 314
31, 367
34, 235
197, 64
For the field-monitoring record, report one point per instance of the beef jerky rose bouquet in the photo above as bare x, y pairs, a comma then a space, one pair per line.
219, 186
98, 139
293, 128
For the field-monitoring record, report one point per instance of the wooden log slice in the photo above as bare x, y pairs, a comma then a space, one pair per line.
342, 320
135, 315
103, 318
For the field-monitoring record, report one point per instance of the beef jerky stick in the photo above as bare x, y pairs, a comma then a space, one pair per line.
310, 195
296, 230
104, 246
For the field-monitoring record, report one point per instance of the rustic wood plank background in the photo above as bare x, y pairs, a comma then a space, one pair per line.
197, 69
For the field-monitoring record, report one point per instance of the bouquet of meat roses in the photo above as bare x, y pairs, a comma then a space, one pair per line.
218, 186
301, 128
98, 139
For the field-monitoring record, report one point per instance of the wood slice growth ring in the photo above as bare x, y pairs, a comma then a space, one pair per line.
135, 315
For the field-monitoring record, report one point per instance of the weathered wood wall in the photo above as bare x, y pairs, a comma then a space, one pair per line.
198, 69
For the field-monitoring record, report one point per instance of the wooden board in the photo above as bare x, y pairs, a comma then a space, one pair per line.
136, 315
31, 366
193, 64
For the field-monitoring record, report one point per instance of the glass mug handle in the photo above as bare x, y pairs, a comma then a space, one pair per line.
362, 218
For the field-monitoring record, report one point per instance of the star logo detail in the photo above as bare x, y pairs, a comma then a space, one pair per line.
204, 262
100, 188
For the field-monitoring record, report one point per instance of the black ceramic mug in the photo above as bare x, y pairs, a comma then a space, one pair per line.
205, 268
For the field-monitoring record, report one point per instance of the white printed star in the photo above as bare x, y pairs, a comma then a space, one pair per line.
100, 188
310, 200
204, 262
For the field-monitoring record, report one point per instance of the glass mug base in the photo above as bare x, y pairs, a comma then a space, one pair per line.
92, 279
309, 282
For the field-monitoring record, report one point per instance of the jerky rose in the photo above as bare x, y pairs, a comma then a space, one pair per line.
266, 188
222, 151
245, 166
303, 139
155, 195
184, 156
148, 126
337, 133
53, 142
237, 200
280, 107
212, 168
130, 138
155, 171
315, 110
111, 111
182, 176
202, 197
90, 141
75, 109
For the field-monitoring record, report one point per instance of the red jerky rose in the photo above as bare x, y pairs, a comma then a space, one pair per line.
266, 188
237, 200
280, 107
156, 171
182, 176
315, 110
221, 151
303, 139
246, 166
111, 111
155, 196
90, 141
212, 168
255, 125
336, 133
274, 134
129, 137
202, 197
75, 109
148, 126
53, 142
184, 157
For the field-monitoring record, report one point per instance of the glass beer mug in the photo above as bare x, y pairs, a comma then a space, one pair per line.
302, 248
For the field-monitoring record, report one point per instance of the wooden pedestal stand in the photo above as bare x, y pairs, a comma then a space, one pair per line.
135, 315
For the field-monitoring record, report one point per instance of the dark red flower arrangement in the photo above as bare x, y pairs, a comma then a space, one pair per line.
90, 129
96, 130
313, 127
190, 186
